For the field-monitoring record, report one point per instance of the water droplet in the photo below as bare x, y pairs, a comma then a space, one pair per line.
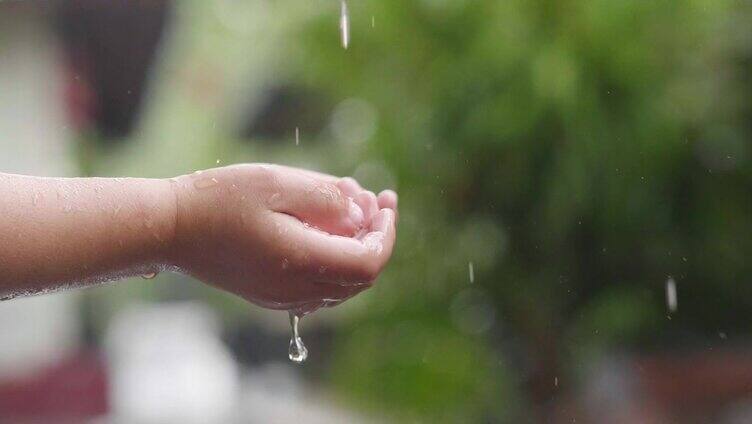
149, 276
671, 299
297, 352
471, 272
556, 381
373, 21
218, 161
297, 136
722, 335
205, 183
344, 24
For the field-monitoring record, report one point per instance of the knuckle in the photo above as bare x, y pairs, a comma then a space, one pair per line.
330, 196
264, 173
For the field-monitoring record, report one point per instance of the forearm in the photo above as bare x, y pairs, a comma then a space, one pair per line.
57, 232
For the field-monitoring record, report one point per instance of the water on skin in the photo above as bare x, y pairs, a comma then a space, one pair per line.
205, 183
298, 352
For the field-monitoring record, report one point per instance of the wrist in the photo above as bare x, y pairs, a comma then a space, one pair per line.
159, 205
190, 218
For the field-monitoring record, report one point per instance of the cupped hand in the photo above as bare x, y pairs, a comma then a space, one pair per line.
281, 237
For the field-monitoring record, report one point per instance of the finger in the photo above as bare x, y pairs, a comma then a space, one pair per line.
318, 203
349, 186
368, 204
388, 199
335, 259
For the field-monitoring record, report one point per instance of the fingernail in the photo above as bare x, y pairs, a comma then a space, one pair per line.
356, 213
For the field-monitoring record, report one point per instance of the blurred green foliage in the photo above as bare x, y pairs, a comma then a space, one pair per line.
577, 153
574, 154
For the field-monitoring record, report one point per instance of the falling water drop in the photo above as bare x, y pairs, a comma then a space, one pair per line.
298, 352
344, 24
297, 136
149, 276
671, 299
471, 272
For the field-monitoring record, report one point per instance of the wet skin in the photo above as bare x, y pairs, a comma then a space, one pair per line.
280, 237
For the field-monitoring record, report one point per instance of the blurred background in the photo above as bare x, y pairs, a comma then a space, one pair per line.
575, 189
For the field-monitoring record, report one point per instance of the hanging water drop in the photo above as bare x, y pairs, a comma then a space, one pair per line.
344, 24
149, 276
298, 352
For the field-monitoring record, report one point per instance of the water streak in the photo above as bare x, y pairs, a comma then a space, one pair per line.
672, 301
344, 24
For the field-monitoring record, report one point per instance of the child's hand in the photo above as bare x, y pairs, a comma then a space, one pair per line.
280, 237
